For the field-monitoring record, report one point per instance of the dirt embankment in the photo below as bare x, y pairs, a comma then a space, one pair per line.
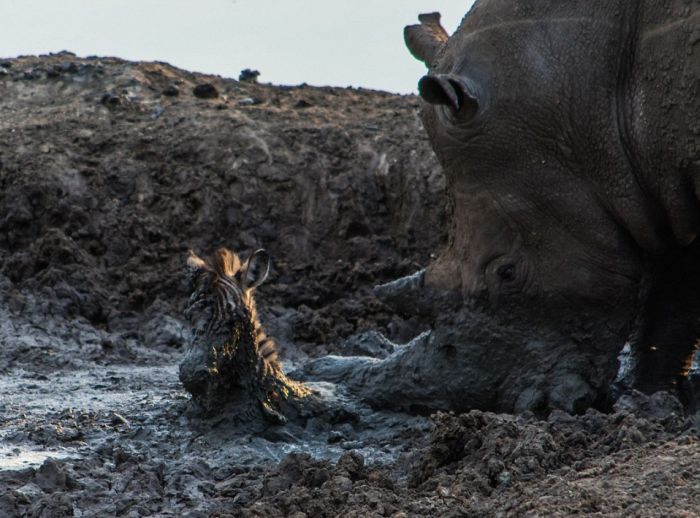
110, 171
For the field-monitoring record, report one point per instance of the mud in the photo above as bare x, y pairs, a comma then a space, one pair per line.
110, 171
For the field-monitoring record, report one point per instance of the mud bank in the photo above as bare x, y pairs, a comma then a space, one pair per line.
110, 171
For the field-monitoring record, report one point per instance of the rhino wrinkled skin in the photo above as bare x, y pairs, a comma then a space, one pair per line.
569, 133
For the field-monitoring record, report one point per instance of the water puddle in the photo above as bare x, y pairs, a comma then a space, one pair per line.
13, 458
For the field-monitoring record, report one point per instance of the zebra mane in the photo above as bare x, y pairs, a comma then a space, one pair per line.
226, 262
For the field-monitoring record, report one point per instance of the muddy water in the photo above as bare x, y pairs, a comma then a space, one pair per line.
65, 430
16, 458
78, 409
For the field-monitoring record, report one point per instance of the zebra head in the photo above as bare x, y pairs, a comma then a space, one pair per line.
222, 290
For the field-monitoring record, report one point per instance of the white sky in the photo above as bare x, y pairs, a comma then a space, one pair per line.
320, 42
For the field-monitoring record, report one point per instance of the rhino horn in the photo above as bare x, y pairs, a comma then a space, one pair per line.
425, 40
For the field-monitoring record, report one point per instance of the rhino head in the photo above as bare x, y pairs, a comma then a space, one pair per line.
526, 138
549, 226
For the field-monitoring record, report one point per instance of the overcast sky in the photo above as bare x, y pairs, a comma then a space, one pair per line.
320, 42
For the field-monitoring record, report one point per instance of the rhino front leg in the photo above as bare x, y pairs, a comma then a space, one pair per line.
664, 346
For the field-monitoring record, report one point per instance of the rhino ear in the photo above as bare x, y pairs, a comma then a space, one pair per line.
425, 40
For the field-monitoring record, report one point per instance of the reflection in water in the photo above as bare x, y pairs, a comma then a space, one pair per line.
14, 458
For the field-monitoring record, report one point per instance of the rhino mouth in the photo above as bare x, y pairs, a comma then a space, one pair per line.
514, 360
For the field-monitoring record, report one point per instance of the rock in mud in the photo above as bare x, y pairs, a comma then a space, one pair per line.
205, 91
248, 75
171, 91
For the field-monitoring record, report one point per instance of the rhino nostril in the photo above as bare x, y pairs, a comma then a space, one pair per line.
449, 90
459, 92
439, 90
506, 272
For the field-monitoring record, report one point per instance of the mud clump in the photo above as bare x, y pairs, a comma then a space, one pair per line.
205, 91
483, 464
499, 450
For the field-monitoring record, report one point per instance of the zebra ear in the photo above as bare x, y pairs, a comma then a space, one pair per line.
256, 269
195, 263
196, 266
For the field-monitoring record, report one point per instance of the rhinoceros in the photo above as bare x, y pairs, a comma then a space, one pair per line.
569, 133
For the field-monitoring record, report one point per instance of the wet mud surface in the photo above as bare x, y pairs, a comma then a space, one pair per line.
110, 171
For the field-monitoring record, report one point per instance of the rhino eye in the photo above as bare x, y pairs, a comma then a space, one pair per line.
506, 272
507, 275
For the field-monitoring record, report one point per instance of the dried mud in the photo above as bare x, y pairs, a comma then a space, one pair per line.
110, 171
